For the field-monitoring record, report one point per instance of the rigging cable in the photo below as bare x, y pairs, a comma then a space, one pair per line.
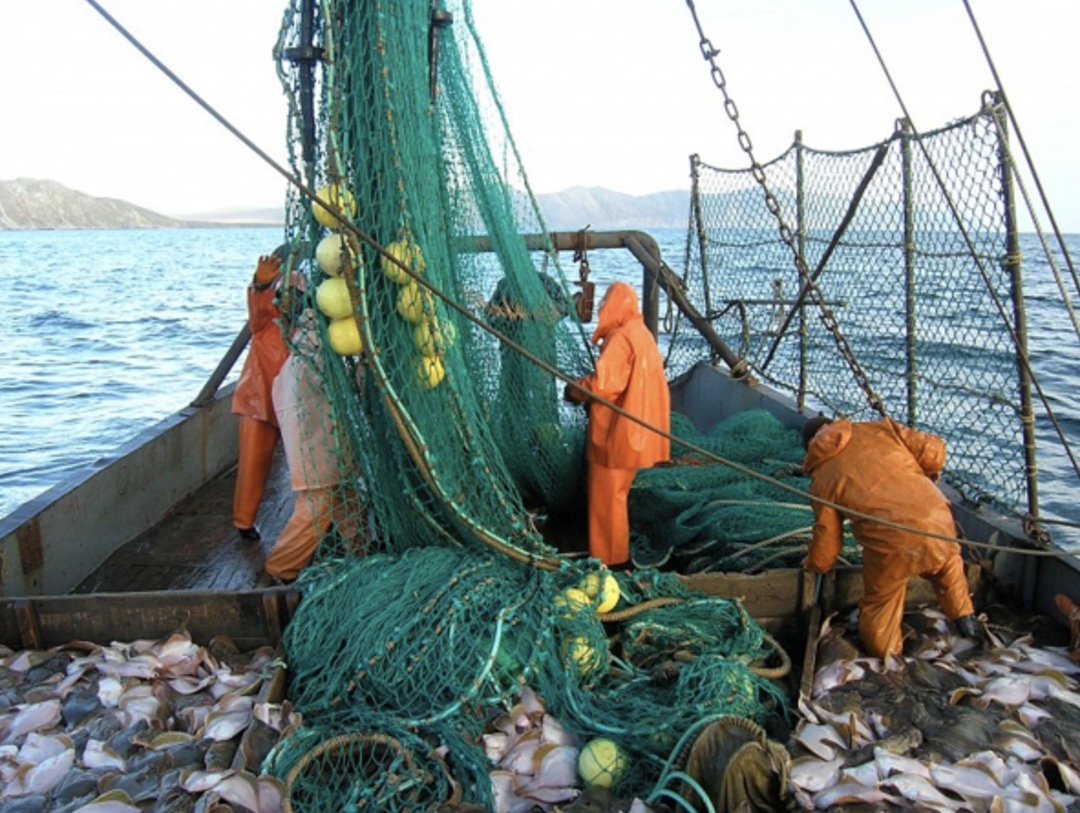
1066, 300
1023, 145
1021, 351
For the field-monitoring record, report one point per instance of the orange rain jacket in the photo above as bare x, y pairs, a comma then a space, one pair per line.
252, 399
266, 353
883, 469
630, 374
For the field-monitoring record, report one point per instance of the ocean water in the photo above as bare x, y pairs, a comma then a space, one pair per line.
108, 332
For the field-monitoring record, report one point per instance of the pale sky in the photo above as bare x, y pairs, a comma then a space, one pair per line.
610, 93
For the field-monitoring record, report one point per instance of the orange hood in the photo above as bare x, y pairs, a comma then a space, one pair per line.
620, 305
829, 441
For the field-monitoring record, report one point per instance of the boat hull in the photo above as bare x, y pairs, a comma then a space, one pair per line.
51, 545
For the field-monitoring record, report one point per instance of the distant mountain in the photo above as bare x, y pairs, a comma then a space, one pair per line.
599, 208
268, 216
569, 210
27, 203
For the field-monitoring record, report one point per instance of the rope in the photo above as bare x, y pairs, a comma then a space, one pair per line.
1018, 344
769, 673
332, 747
637, 609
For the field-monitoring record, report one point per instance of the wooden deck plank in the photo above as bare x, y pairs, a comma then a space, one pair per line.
195, 546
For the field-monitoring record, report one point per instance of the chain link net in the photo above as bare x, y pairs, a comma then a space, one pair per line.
900, 282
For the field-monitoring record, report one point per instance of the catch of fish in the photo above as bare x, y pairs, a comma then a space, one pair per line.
170, 726
955, 724
165, 726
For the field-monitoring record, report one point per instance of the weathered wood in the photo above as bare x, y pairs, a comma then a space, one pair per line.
29, 629
773, 594
196, 547
821, 596
106, 617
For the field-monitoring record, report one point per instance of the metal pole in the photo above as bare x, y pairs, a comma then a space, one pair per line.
699, 222
206, 394
656, 274
305, 55
800, 225
1013, 266
911, 330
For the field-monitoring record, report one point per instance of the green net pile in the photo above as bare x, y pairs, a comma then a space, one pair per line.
401, 697
436, 603
457, 436
700, 516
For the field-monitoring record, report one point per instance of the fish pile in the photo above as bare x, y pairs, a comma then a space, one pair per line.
955, 724
534, 765
166, 726
534, 758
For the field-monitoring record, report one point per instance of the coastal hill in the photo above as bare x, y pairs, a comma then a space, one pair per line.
27, 203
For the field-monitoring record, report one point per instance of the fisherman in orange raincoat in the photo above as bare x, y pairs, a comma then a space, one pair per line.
252, 399
885, 469
630, 374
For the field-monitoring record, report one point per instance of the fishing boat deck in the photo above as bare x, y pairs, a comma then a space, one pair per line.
195, 547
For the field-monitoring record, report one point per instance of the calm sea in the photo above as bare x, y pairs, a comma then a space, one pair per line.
109, 332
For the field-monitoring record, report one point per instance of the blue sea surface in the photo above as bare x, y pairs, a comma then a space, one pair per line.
109, 332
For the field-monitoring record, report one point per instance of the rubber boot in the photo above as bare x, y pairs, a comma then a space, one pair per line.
968, 627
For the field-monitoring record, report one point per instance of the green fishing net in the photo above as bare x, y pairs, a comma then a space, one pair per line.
456, 435
402, 667
442, 454
699, 515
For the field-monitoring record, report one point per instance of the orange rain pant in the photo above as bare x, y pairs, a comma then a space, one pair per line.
258, 440
313, 513
609, 520
882, 606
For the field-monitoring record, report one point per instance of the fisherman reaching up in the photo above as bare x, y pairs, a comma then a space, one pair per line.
887, 470
252, 399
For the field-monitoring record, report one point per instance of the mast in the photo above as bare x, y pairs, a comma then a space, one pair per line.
305, 54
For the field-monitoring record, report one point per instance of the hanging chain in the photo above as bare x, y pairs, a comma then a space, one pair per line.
583, 299
825, 314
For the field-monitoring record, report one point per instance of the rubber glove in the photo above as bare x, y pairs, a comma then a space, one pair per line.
267, 270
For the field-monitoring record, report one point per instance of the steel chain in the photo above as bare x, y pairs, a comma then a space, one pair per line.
825, 315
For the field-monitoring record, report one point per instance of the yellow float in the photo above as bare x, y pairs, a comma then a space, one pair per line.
332, 298
411, 303
601, 763
409, 255
344, 335
434, 336
580, 652
340, 199
602, 588
430, 372
570, 601
334, 254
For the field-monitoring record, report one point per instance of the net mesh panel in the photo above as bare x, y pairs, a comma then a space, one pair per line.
432, 452
460, 433
702, 516
923, 323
